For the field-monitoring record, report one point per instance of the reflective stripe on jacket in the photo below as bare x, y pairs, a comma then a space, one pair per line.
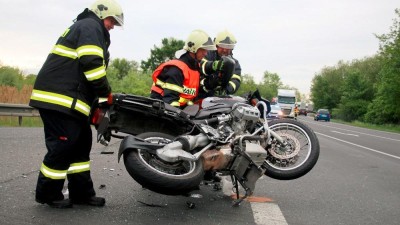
74, 73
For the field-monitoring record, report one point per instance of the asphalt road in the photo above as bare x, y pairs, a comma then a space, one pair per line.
356, 181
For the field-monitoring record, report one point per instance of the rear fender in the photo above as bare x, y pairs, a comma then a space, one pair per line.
131, 142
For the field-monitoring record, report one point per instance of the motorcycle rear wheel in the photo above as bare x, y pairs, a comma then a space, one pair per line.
159, 176
298, 157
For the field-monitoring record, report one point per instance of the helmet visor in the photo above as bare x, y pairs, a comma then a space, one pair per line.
209, 47
119, 19
227, 46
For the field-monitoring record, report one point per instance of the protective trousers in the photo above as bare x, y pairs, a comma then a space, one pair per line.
68, 141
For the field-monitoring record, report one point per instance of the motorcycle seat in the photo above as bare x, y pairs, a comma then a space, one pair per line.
191, 110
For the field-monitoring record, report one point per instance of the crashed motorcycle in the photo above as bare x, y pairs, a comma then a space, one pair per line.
167, 150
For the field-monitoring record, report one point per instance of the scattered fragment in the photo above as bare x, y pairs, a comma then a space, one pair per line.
190, 205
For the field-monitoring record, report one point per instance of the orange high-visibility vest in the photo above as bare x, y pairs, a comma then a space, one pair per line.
191, 82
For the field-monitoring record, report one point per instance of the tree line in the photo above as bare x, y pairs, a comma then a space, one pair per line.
365, 89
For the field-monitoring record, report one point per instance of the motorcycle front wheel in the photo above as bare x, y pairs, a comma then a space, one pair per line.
297, 156
157, 175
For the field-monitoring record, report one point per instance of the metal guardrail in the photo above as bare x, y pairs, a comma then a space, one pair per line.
19, 110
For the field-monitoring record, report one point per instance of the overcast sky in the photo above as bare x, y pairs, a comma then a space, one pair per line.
293, 38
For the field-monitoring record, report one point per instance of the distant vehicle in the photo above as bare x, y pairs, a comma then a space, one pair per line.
276, 112
303, 111
322, 114
287, 101
310, 107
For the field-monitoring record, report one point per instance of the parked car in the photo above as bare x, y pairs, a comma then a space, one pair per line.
303, 111
322, 114
276, 112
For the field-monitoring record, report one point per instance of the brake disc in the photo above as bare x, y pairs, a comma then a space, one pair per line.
289, 151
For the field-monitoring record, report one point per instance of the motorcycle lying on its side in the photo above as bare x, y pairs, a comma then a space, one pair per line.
167, 150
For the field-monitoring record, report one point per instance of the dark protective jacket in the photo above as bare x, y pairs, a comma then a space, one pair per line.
74, 73
208, 85
176, 82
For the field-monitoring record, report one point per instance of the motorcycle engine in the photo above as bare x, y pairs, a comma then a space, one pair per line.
244, 118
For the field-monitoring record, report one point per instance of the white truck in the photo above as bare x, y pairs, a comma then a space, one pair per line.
287, 101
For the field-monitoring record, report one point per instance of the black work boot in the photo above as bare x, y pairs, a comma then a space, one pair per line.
60, 204
93, 201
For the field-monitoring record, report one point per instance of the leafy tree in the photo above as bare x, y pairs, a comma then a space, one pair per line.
161, 54
270, 84
354, 103
119, 68
246, 85
30, 79
10, 76
325, 87
385, 107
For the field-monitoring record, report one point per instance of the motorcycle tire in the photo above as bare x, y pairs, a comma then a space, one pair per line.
295, 159
159, 176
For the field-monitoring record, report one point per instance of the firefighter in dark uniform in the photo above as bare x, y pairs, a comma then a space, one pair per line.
221, 73
72, 77
177, 81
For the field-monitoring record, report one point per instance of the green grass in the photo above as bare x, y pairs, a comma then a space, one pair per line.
385, 127
13, 121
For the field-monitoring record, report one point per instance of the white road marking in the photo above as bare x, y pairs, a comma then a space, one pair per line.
334, 131
370, 149
267, 214
330, 127
263, 213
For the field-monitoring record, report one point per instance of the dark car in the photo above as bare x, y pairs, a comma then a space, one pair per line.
303, 112
322, 114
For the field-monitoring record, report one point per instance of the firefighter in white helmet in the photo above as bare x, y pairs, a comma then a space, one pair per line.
221, 73
71, 78
177, 81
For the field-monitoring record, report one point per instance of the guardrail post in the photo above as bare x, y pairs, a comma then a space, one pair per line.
19, 110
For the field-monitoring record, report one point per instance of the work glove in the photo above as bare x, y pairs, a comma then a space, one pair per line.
229, 89
218, 65
211, 81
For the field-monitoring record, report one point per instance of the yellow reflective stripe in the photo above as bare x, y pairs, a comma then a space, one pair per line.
59, 99
52, 173
95, 73
202, 84
203, 65
173, 87
79, 167
90, 50
235, 76
102, 100
232, 84
82, 107
65, 51
53, 98
159, 83
184, 100
169, 86
176, 104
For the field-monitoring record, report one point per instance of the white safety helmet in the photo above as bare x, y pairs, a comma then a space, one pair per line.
198, 39
225, 39
107, 8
